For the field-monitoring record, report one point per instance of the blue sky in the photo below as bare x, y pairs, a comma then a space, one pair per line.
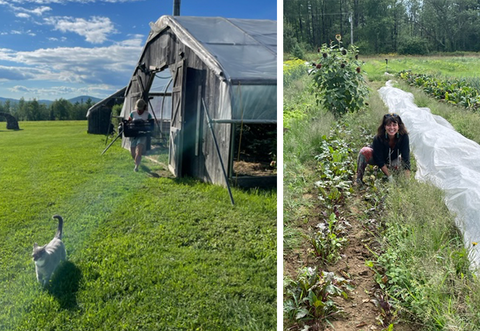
52, 49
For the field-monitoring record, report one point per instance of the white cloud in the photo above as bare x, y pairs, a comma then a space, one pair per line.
135, 40
54, 90
25, 12
39, 10
53, 73
6, 54
112, 65
22, 15
14, 73
22, 89
64, 2
18, 32
95, 30
66, 71
54, 39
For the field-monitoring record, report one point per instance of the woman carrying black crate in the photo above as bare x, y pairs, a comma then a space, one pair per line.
138, 143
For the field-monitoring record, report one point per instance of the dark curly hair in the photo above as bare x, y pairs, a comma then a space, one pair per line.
389, 118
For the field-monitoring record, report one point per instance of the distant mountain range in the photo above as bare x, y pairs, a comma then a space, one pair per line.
81, 99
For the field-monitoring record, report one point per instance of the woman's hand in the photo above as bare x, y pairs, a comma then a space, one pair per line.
385, 170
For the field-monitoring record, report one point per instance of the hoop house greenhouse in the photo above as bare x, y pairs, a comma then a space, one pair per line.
211, 83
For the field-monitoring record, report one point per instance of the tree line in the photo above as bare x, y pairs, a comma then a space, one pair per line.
33, 110
384, 26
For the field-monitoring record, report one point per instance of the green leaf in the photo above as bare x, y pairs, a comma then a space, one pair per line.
302, 312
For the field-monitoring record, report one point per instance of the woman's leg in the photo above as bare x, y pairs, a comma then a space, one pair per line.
138, 155
133, 145
365, 156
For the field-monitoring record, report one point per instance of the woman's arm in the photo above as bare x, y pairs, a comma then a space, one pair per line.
385, 170
379, 153
405, 151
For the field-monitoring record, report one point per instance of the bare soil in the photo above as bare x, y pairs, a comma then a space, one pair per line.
244, 168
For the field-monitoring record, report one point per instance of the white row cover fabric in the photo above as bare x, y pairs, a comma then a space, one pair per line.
447, 159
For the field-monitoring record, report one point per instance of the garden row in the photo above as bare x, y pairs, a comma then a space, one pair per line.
311, 295
317, 296
322, 166
462, 92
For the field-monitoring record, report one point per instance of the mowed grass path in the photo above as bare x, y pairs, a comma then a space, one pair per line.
466, 67
144, 253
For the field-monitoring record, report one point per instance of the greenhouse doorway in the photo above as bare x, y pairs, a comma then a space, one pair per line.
160, 105
193, 161
253, 160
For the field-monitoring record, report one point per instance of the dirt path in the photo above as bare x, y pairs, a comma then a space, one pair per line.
367, 308
360, 312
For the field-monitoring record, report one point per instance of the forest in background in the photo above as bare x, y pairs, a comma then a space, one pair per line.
58, 110
416, 27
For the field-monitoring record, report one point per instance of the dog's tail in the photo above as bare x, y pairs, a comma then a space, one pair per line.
60, 226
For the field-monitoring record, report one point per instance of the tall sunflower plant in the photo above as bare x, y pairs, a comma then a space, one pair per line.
338, 82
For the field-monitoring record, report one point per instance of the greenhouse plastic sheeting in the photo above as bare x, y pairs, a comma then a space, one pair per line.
242, 52
446, 158
244, 49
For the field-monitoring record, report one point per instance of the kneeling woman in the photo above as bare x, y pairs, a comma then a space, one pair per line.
390, 149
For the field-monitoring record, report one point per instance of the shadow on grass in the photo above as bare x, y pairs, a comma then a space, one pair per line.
150, 172
64, 285
11, 130
260, 189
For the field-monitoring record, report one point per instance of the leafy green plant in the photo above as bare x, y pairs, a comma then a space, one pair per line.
337, 79
311, 295
298, 104
423, 266
327, 240
335, 164
452, 90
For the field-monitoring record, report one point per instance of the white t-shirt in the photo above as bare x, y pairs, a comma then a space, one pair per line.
135, 116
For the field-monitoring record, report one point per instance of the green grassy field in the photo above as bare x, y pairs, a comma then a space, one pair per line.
145, 252
450, 66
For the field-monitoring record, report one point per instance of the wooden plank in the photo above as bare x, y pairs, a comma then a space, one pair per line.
176, 141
